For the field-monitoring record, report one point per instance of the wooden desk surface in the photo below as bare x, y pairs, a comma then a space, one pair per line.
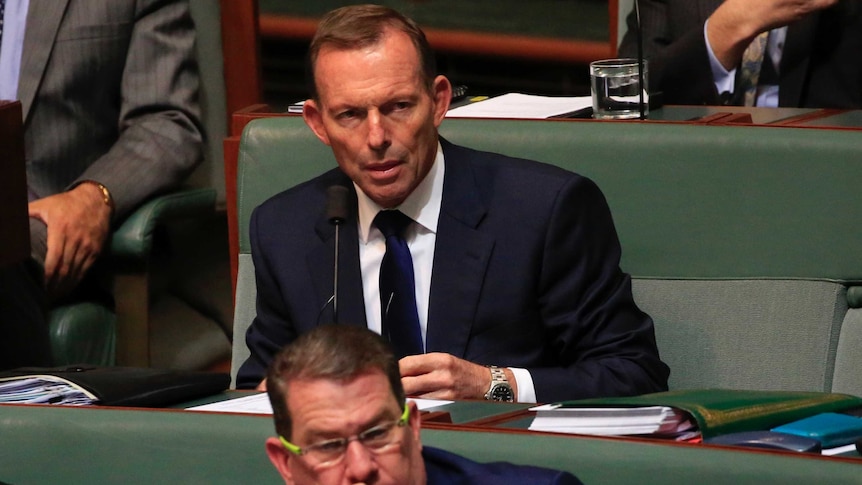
759, 116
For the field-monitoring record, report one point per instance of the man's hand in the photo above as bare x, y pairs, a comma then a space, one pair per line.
78, 222
443, 376
737, 22
261, 386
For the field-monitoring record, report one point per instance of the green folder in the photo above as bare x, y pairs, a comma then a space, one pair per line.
723, 411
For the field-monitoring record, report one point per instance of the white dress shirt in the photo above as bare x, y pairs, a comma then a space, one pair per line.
423, 206
14, 25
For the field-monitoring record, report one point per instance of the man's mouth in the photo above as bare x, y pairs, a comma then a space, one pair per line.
384, 170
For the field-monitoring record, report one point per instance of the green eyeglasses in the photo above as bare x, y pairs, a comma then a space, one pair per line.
330, 452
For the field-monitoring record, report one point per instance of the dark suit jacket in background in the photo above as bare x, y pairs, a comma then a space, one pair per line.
821, 66
109, 90
526, 274
444, 468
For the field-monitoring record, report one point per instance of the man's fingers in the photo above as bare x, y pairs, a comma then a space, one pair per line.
424, 385
81, 263
53, 256
414, 365
443, 376
77, 227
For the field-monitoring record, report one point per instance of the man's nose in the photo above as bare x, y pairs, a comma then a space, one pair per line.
360, 463
378, 137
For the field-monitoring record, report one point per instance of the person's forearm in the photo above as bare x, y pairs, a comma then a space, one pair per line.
729, 31
736, 22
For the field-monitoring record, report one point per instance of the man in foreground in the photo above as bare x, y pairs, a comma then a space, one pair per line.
511, 289
342, 417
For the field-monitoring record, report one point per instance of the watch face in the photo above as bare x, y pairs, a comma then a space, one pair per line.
502, 392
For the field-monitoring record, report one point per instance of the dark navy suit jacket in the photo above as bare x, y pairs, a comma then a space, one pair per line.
526, 274
820, 64
444, 468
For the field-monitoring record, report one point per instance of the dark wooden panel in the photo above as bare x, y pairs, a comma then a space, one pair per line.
560, 19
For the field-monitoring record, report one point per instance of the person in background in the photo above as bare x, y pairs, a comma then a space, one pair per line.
109, 91
501, 282
341, 417
788, 53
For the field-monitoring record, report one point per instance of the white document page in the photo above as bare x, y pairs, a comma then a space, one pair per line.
517, 105
259, 404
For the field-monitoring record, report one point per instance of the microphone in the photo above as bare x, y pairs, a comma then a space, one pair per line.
336, 213
640, 39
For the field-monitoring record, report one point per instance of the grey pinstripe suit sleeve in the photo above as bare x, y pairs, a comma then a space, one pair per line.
117, 96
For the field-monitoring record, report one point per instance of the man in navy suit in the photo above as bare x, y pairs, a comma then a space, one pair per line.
518, 288
341, 417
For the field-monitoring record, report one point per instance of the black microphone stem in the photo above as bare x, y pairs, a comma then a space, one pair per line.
336, 213
335, 277
640, 38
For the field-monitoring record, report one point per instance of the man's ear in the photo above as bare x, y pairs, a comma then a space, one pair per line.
277, 455
442, 92
313, 117
415, 421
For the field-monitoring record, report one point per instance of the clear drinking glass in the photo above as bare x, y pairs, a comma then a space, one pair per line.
614, 85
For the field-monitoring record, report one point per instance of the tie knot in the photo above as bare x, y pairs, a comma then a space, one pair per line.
392, 223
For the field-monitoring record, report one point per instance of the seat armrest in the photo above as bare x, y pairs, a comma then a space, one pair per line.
134, 238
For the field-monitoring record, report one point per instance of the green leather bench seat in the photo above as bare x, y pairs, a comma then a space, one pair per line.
52, 444
741, 240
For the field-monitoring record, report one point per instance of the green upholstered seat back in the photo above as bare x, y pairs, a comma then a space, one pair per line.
739, 238
706, 201
48, 445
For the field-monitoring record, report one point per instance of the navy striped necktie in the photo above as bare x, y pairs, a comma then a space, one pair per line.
397, 286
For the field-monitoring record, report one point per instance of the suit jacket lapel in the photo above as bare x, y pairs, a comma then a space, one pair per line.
795, 58
461, 257
321, 261
43, 23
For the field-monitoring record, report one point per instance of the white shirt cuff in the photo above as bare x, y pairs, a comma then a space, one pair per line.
725, 81
524, 381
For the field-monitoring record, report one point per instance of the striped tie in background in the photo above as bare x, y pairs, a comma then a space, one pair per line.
752, 59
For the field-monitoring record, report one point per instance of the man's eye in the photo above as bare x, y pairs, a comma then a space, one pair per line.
331, 446
376, 434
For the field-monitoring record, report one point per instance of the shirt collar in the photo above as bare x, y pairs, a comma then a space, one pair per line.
422, 205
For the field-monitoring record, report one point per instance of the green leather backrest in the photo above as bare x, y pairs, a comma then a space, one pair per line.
708, 201
53, 444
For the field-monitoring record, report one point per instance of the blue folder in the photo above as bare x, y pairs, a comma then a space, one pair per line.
831, 429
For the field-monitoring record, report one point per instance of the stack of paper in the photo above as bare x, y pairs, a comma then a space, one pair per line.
43, 389
648, 420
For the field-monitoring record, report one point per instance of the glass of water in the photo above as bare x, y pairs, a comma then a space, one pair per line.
614, 86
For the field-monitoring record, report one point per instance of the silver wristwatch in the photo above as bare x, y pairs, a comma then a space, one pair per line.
500, 389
